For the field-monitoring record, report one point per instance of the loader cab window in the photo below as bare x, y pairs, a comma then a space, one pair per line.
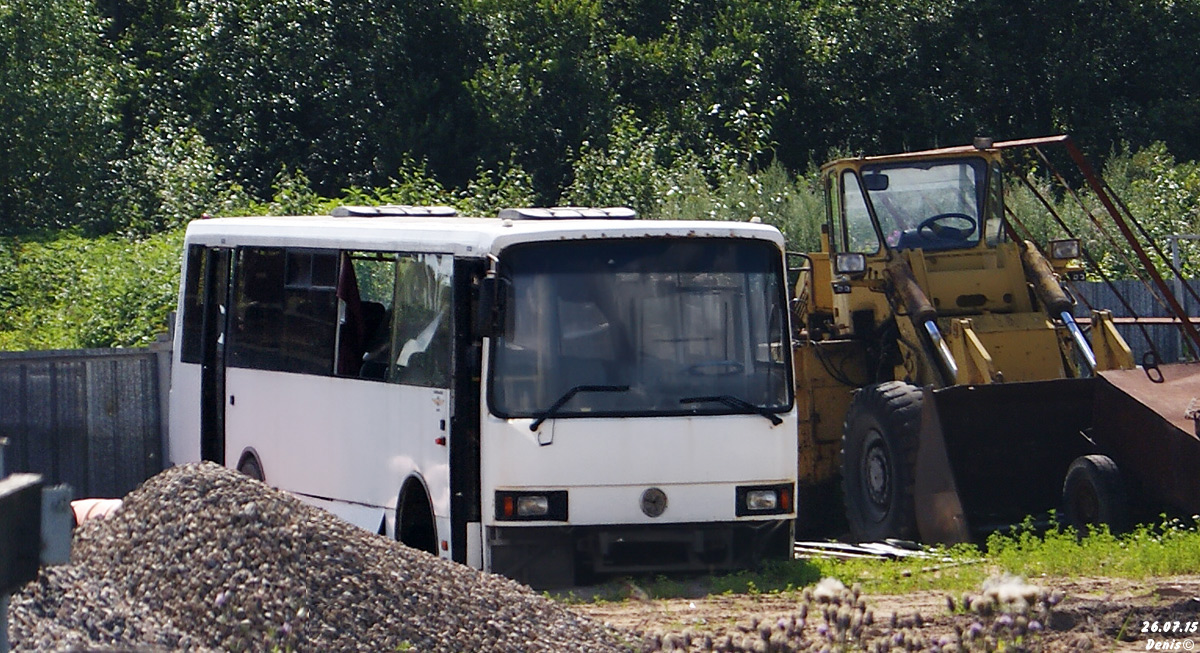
833, 213
930, 205
860, 230
993, 207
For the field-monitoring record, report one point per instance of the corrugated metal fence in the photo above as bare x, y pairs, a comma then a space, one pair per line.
1145, 303
93, 418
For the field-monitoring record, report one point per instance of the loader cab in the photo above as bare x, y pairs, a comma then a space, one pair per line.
942, 213
926, 232
941, 203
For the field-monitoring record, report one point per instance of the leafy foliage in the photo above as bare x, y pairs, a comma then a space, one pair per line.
137, 115
72, 292
133, 117
1162, 194
57, 115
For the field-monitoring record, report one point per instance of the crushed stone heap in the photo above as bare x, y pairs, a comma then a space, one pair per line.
202, 558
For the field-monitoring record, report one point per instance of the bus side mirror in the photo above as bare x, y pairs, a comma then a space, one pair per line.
489, 309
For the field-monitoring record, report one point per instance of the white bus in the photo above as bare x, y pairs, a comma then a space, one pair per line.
534, 395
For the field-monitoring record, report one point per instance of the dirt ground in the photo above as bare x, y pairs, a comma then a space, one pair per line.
1087, 614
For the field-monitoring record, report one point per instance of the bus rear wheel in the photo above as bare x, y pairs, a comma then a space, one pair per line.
251, 467
414, 519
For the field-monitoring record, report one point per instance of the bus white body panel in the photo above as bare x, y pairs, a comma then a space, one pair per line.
267, 409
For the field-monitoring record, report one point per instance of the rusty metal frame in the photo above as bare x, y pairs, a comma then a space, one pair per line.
1111, 204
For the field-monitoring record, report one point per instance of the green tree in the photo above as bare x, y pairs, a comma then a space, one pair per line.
58, 122
341, 90
542, 87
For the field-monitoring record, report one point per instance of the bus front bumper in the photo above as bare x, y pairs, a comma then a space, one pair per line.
546, 557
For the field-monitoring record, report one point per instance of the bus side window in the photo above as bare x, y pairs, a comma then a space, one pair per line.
310, 312
193, 305
422, 320
366, 289
285, 311
258, 309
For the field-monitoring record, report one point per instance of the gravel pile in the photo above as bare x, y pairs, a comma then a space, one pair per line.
202, 558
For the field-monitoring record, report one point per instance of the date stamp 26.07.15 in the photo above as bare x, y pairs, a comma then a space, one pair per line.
1169, 635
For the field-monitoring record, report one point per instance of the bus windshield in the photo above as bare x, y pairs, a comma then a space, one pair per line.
663, 326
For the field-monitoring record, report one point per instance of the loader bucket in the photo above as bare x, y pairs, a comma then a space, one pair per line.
991, 455
1145, 422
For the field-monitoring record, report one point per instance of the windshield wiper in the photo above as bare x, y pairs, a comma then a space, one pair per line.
553, 409
734, 402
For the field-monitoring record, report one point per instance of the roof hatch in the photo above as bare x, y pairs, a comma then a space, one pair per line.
568, 212
392, 210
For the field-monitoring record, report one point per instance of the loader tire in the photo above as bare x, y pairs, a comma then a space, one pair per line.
1094, 494
879, 455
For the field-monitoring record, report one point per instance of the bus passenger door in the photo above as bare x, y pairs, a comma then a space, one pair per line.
212, 369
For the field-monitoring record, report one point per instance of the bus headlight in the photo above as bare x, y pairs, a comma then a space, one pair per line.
764, 500
536, 505
531, 506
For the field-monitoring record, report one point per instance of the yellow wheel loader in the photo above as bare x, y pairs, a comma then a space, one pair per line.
942, 378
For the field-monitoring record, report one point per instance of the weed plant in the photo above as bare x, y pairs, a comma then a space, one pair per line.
1008, 615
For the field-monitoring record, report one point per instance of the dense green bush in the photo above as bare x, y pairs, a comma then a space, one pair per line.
75, 292
123, 116
1162, 194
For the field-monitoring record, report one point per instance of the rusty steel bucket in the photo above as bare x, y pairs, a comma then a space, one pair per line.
991, 455
1145, 421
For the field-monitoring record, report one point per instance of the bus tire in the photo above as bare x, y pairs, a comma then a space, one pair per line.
414, 519
250, 466
1094, 494
879, 455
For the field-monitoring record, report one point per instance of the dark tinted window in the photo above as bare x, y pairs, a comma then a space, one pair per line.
193, 306
285, 310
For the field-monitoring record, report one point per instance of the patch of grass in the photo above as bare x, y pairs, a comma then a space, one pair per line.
774, 576
1168, 548
959, 568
